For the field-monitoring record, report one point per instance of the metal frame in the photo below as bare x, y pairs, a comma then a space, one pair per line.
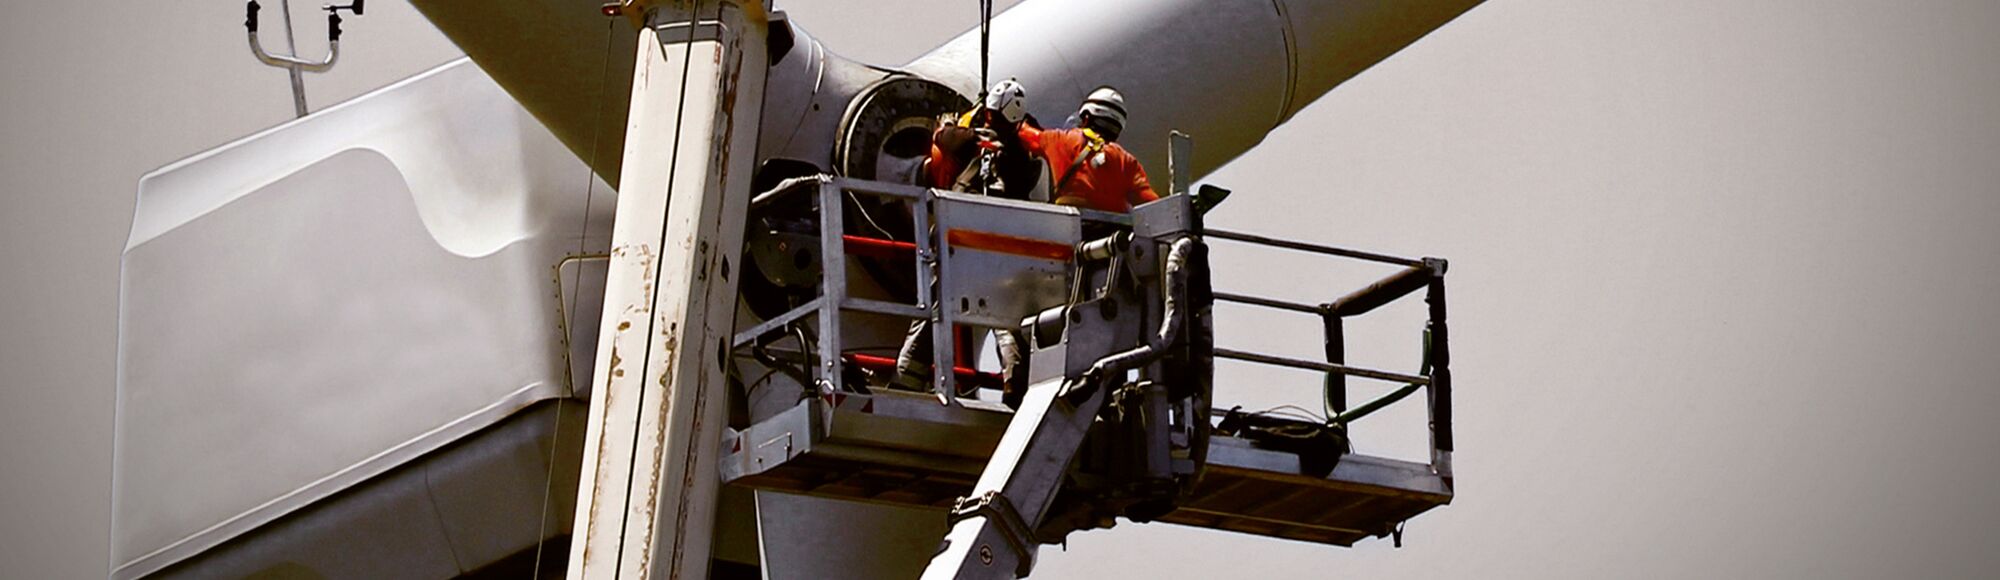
1426, 273
833, 283
903, 448
834, 299
930, 264
290, 61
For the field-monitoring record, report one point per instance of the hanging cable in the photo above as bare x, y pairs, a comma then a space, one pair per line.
985, 46
576, 281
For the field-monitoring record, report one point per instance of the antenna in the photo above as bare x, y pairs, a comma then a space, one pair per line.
291, 62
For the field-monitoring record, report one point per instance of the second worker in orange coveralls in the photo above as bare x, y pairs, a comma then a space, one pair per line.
1087, 165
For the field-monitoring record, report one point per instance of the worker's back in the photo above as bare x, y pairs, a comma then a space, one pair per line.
1088, 171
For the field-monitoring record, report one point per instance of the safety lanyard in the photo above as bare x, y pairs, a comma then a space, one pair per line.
1092, 145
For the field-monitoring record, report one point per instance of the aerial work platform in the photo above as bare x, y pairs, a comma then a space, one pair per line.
906, 449
928, 449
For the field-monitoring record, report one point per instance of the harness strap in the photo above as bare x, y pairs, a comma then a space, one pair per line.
966, 177
1093, 144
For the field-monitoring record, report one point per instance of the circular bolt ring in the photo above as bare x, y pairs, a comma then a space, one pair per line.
985, 555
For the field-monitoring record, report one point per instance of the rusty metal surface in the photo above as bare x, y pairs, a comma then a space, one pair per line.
648, 503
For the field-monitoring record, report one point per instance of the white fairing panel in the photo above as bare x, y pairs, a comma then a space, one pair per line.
313, 305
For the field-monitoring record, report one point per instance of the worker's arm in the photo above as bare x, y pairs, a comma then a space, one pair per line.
936, 166
1031, 139
951, 146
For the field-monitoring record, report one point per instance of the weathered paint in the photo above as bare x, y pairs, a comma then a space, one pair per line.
648, 509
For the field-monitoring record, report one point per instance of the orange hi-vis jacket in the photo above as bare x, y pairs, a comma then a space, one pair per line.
1105, 178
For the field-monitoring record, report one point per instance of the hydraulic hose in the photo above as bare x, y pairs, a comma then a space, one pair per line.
1175, 278
786, 186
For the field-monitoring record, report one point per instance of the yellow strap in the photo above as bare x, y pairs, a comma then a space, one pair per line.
1093, 145
1093, 142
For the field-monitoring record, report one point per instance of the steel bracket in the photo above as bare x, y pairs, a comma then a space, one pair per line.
995, 507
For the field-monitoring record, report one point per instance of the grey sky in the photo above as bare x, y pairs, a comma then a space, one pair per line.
1721, 271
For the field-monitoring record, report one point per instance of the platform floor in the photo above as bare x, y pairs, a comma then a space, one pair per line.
909, 450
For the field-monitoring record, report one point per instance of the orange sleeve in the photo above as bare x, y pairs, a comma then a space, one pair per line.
938, 170
1031, 138
1141, 189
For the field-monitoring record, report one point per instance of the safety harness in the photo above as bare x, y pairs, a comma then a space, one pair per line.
1093, 145
970, 174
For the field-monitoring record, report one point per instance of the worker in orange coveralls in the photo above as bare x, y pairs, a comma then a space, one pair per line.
1090, 169
981, 151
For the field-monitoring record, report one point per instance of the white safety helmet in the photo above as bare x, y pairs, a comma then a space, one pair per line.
1107, 104
1010, 99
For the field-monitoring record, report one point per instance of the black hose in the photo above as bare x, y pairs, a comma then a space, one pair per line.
1175, 276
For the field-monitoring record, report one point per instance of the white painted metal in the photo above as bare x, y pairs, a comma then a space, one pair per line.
1023, 475
645, 508
315, 304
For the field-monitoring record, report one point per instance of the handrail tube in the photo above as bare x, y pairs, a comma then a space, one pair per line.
751, 334
885, 308
283, 61
1377, 404
1320, 366
1383, 291
965, 374
1314, 248
878, 248
786, 186
1266, 302
878, 188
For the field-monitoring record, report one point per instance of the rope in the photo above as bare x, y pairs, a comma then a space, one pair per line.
576, 281
985, 44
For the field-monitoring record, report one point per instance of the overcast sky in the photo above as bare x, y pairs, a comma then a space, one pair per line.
1722, 272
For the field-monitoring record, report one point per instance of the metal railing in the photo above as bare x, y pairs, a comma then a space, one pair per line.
834, 298
834, 301
927, 208
1417, 274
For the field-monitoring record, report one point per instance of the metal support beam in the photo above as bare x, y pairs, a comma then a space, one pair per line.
1441, 434
993, 533
1336, 353
647, 494
1383, 291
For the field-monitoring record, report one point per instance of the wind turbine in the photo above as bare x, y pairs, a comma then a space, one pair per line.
411, 302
